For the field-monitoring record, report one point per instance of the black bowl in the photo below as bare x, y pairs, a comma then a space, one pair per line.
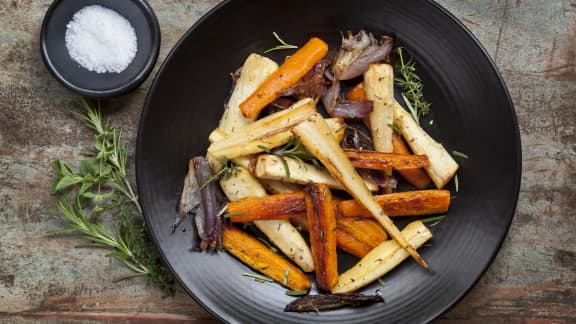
92, 84
472, 113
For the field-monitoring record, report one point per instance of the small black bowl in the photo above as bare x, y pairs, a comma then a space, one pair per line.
92, 84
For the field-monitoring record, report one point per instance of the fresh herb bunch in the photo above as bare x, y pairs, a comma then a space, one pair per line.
411, 87
228, 170
293, 149
101, 185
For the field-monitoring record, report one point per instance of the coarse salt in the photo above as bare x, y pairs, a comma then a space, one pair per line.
101, 40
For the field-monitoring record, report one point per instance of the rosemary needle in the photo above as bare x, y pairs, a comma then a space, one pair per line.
283, 44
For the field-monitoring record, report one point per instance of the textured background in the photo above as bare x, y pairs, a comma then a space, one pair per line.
533, 278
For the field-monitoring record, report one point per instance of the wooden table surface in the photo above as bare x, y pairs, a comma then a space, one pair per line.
532, 280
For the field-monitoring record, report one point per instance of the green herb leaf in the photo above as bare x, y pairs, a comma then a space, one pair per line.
460, 154
283, 45
258, 277
296, 293
433, 219
412, 87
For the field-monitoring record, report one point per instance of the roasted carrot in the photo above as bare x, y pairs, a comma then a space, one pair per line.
294, 68
409, 203
291, 205
357, 93
260, 258
322, 224
385, 161
366, 231
417, 177
279, 206
356, 236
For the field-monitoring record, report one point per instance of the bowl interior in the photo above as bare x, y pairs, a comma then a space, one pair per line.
471, 113
88, 83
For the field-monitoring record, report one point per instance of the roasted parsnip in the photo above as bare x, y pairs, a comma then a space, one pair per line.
379, 87
381, 259
268, 132
316, 137
290, 170
254, 71
442, 166
322, 226
260, 258
280, 232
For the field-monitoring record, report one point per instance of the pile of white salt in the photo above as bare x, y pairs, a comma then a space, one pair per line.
101, 40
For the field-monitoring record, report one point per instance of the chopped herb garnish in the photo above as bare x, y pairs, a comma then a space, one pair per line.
233, 214
434, 219
456, 182
264, 148
412, 87
285, 279
395, 127
296, 293
381, 282
283, 45
270, 246
428, 245
460, 154
258, 277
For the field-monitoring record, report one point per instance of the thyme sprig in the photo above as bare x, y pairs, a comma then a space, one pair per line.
283, 45
293, 149
101, 185
412, 87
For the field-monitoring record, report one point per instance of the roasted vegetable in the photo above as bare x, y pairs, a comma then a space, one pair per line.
317, 303
358, 51
279, 206
322, 226
212, 225
367, 231
385, 161
266, 132
254, 71
417, 177
291, 170
379, 87
442, 166
292, 70
260, 258
408, 203
190, 199
381, 259
280, 232
315, 135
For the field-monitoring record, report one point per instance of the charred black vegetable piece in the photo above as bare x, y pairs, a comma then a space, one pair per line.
212, 227
316, 303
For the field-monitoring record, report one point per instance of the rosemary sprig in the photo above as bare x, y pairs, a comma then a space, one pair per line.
258, 277
229, 170
412, 87
101, 185
460, 154
296, 293
283, 45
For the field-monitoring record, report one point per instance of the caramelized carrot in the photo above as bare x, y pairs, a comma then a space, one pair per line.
385, 161
292, 70
367, 231
291, 205
357, 93
260, 258
410, 203
417, 177
322, 223
279, 206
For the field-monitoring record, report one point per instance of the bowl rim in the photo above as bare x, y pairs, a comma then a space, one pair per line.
134, 83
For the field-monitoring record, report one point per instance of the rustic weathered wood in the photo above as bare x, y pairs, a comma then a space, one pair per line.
533, 279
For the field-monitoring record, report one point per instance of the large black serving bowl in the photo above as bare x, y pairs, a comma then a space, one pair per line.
471, 110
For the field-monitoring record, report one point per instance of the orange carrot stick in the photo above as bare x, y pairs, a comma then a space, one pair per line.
279, 206
385, 161
292, 70
410, 203
357, 93
417, 177
322, 223
260, 258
